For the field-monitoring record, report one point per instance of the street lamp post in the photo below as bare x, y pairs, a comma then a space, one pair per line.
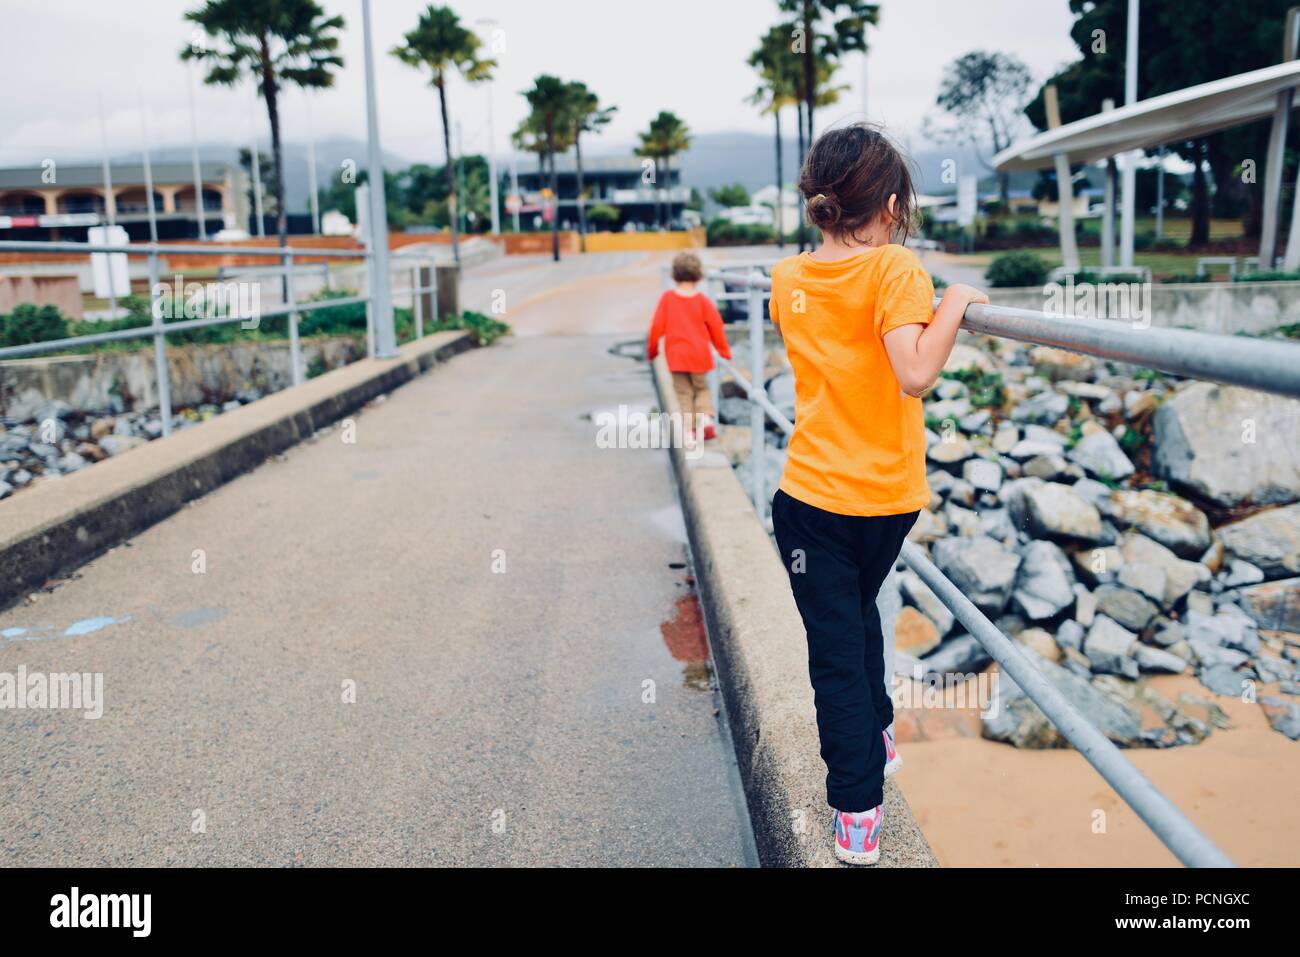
381, 299
1130, 159
488, 23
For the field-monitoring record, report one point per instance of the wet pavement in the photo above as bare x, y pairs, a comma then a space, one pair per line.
469, 636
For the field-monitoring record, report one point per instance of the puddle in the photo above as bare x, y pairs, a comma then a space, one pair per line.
687, 641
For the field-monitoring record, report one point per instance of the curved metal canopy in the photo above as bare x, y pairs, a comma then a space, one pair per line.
1181, 115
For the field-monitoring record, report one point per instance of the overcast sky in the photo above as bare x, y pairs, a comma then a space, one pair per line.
58, 57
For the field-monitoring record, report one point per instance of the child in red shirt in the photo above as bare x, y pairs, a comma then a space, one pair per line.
688, 321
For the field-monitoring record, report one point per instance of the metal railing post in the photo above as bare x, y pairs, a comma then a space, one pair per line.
295, 346
161, 371
757, 420
417, 305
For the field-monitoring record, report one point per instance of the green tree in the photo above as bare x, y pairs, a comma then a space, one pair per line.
548, 130
666, 136
779, 71
1179, 45
603, 214
847, 21
733, 195
441, 45
983, 95
588, 117
274, 42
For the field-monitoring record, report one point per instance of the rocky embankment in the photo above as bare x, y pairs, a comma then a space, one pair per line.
1118, 523
59, 439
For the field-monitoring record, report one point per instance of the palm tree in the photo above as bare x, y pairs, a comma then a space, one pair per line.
651, 148
848, 33
440, 44
550, 126
588, 117
676, 139
274, 42
778, 68
667, 136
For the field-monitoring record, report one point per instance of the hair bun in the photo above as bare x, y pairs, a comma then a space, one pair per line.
823, 210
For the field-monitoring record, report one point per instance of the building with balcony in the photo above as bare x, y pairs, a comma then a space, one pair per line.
615, 181
62, 201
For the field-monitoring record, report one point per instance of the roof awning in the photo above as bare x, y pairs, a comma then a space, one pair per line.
1171, 117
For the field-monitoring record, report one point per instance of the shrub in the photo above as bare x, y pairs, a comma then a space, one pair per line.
484, 329
29, 323
723, 233
1016, 269
1270, 276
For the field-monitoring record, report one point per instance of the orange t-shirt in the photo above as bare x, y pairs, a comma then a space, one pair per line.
859, 441
687, 324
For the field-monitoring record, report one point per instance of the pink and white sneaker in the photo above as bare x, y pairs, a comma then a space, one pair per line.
893, 760
857, 836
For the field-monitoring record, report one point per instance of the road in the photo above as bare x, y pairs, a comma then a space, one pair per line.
508, 604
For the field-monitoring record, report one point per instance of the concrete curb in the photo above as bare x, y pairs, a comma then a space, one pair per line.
61, 525
758, 646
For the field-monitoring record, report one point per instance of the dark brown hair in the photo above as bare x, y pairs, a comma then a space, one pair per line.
687, 268
847, 180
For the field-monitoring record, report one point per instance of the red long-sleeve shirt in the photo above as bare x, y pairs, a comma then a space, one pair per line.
687, 324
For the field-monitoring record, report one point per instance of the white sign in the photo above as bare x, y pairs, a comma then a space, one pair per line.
109, 269
967, 203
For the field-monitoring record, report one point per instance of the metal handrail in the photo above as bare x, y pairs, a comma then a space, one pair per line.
158, 330
1265, 366
1175, 830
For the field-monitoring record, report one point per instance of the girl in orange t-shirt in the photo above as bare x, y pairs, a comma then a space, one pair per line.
864, 342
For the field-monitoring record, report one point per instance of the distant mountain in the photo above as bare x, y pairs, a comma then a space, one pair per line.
720, 159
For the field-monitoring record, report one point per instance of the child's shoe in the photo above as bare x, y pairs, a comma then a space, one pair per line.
857, 836
893, 760
708, 431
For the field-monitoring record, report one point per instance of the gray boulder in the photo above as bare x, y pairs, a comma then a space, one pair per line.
1157, 659
981, 568
1110, 648
1014, 718
1127, 607
1172, 521
1228, 444
1101, 455
1056, 511
961, 655
1044, 408
1221, 679
1274, 605
1283, 715
1268, 540
1044, 586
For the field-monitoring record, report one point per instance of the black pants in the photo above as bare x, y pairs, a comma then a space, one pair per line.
837, 564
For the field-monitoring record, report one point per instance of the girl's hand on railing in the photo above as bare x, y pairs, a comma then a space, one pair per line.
967, 295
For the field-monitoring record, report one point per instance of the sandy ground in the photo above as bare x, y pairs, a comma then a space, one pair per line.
984, 803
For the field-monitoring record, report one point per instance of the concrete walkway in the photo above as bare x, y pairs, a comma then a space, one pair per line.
509, 601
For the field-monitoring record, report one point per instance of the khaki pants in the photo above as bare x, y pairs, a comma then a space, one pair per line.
692, 389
